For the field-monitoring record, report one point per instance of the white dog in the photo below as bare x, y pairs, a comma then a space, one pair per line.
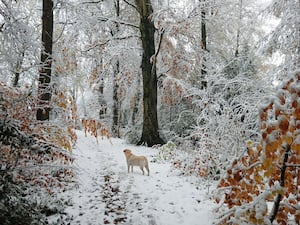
133, 160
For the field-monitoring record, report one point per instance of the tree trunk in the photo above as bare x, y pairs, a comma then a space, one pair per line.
135, 111
150, 135
238, 33
18, 69
204, 44
44, 92
116, 102
116, 70
17, 75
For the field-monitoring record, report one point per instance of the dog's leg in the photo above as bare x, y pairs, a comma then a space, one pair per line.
142, 169
147, 168
128, 167
131, 168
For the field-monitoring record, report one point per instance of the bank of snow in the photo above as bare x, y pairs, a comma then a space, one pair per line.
107, 194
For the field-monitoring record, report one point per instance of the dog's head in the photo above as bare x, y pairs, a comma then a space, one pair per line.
127, 152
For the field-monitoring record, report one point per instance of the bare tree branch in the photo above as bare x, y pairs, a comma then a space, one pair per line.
292, 165
92, 2
95, 46
282, 178
154, 57
161, 32
132, 5
105, 19
112, 39
1, 27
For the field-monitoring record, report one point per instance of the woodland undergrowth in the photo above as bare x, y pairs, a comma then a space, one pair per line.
35, 159
262, 186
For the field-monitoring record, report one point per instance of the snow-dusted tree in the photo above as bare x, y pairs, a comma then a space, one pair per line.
150, 133
45, 92
108, 49
118, 40
226, 109
177, 66
19, 42
284, 39
116, 71
203, 12
267, 175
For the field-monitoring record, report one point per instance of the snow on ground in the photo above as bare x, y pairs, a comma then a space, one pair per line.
107, 194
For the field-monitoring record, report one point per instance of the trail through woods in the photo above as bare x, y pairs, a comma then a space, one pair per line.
107, 194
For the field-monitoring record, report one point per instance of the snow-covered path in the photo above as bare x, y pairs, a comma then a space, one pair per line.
107, 194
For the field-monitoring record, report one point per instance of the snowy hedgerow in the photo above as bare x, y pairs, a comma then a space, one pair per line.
33, 160
189, 161
263, 185
201, 164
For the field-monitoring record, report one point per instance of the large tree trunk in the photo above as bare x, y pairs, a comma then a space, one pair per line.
150, 134
44, 92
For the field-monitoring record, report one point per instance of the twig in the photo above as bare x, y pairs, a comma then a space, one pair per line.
132, 5
282, 178
154, 57
292, 165
162, 31
94, 46
92, 2
105, 19
105, 42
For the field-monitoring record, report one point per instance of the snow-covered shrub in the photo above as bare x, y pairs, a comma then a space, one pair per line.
180, 125
166, 152
197, 163
15, 207
228, 113
227, 117
188, 161
23, 204
33, 160
267, 175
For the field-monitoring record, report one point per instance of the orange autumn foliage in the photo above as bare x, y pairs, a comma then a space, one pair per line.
33, 152
95, 128
269, 171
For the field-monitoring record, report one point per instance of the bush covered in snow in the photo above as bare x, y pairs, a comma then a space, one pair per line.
262, 186
34, 161
190, 162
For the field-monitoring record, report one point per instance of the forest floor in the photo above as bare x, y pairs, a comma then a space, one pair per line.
107, 194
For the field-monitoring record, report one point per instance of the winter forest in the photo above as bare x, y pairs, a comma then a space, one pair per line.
208, 90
